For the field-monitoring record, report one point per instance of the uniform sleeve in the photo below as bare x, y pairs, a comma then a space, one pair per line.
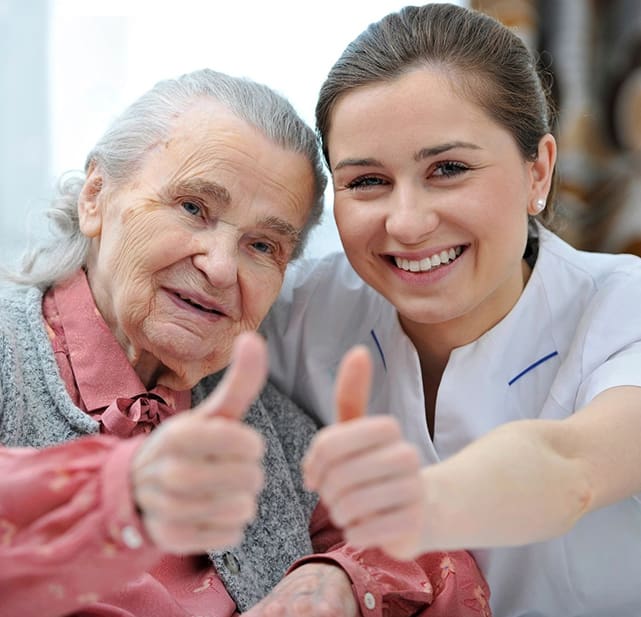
434, 585
69, 530
611, 349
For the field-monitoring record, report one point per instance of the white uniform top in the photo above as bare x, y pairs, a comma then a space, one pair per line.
574, 332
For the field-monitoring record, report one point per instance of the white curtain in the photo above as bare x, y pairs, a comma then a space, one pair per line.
24, 121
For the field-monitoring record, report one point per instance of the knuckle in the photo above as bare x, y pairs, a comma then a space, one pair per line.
332, 482
172, 474
322, 447
245, 507
258, 480
389, 426
356, 536
414, 459
408, 455
338, 515
344, 512
162, 504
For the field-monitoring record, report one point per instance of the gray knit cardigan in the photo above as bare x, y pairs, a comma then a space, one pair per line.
35, 410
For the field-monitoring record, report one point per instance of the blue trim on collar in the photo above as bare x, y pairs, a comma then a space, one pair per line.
532, 366
380, 349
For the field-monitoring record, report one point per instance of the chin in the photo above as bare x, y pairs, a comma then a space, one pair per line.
419, 315
185, 374
189, 364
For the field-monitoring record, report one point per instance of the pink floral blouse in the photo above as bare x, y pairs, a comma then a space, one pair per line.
72, 543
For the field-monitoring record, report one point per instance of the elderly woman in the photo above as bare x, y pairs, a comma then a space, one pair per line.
174, 243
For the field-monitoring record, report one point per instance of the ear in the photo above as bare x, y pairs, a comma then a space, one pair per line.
89, 210
541, 171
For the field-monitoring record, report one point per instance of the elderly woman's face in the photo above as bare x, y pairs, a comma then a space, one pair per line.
192, 251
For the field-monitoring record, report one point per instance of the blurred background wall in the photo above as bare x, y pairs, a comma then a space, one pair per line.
67, 67
592, 51
24, 117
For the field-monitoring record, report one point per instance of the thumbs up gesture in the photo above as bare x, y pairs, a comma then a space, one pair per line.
367, 476
197, 477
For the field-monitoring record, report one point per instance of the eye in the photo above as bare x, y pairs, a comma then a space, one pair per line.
449, 169
264, 247
365, 182
191, 207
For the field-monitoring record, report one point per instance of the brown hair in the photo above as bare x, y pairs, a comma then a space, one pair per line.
483, 59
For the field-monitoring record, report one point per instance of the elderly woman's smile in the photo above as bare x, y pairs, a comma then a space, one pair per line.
199, 306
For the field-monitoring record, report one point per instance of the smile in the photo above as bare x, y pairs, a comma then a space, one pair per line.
428, 263
196, 305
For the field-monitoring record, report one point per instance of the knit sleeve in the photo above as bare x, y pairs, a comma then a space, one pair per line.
295, 430
69, 531
3, 345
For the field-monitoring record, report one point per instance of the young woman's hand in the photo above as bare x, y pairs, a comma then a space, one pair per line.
367, 476
196, 478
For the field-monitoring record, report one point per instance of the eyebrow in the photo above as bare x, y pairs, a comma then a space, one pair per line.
423, 153
220, 194
281, 227
198, 186
357, 163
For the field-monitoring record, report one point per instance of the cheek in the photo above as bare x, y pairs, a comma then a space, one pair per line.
355, 224
259, 290
149, 246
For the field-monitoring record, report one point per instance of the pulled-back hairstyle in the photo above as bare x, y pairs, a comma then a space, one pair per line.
483, 60
121, 152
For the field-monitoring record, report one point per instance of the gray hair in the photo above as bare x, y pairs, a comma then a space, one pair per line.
121, 151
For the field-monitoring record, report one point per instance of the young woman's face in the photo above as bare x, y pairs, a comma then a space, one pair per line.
431, 200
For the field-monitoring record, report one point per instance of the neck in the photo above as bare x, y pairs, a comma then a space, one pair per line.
434, 342
146, 366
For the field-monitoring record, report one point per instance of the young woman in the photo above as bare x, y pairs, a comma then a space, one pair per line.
510, 360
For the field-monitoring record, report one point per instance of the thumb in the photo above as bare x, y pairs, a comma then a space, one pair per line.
353, 384
242, 382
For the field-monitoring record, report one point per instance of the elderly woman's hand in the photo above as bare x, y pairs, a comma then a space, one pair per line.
196, 478
367, 476
312, 590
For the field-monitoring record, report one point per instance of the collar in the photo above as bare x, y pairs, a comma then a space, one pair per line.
94, 351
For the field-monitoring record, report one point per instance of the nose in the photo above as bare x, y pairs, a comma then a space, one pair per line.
411, 217
217, 258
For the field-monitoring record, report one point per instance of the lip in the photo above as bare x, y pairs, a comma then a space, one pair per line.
187, 300
429, 252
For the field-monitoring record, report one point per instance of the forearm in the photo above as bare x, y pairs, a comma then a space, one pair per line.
531, 480
68, 526
517, 484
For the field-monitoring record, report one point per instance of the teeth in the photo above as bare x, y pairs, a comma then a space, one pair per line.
425, 265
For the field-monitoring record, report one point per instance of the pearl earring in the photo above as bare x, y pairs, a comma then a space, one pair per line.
539, 206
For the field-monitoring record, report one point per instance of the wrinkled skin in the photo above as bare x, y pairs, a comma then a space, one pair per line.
192, 250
